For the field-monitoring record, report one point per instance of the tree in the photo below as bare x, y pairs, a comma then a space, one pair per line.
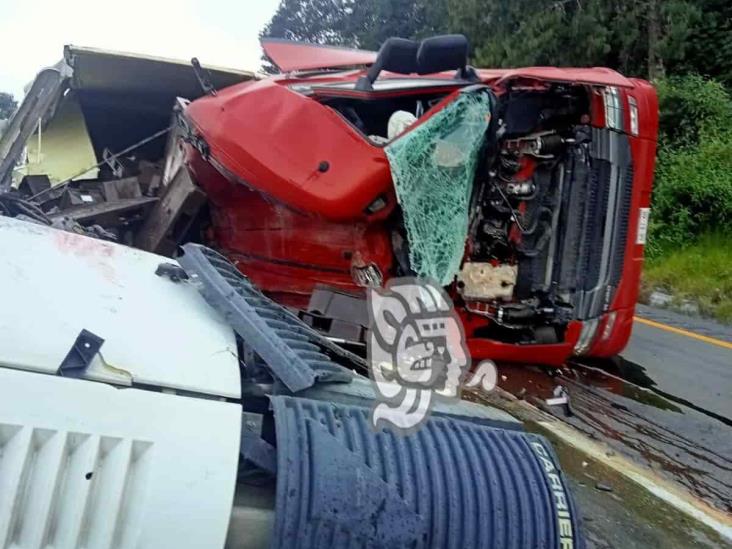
7, 105
647, 38
670, 24
709, 48
316, 21
532, 32
373, 21
637, 37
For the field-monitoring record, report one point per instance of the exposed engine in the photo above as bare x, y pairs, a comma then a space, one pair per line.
537, 213
548, 213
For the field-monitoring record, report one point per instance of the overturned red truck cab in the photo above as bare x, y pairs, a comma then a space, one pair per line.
527, 197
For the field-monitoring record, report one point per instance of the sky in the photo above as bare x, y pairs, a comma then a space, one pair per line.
218, 32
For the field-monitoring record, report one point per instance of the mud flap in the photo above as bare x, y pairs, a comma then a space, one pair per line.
453, 484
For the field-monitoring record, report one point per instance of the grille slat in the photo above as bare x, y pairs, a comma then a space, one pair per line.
621, 235
41, 488
16, 447
605, 231
110, 481
71, 515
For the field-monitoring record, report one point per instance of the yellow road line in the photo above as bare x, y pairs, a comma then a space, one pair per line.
705, 339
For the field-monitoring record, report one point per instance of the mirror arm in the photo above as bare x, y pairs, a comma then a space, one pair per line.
467, 73
365, 83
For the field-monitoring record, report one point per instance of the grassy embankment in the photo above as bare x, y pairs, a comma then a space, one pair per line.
689, 252
700, 272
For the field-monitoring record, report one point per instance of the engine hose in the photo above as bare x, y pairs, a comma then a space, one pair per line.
531, 230
540, 245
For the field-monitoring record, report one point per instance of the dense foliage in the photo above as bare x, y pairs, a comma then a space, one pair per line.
693, 186
648, 38
7, 105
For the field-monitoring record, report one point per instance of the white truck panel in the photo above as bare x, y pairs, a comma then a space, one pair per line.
156, 332
84, 464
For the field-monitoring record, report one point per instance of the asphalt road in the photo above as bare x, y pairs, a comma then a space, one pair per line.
685, 359
665, 403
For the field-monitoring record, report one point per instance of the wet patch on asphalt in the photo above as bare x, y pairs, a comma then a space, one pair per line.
687, 446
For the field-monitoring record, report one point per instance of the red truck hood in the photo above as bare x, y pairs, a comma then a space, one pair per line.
289, 55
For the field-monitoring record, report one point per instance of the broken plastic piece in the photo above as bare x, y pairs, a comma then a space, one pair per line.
174, 272
81, 354
254, 448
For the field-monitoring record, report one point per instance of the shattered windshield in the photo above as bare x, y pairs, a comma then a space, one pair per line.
433, 167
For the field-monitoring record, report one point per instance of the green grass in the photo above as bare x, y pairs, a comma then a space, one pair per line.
701, 272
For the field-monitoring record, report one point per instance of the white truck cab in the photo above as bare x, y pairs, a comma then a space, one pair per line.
151, 403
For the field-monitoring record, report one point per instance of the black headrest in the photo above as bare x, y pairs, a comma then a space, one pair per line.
436, 54
442, 53
399, 55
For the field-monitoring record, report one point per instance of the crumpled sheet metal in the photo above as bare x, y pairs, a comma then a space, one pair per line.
433, 167
452, 484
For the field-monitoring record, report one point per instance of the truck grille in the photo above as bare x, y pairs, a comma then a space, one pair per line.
606, 214
621, 229
292, 351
